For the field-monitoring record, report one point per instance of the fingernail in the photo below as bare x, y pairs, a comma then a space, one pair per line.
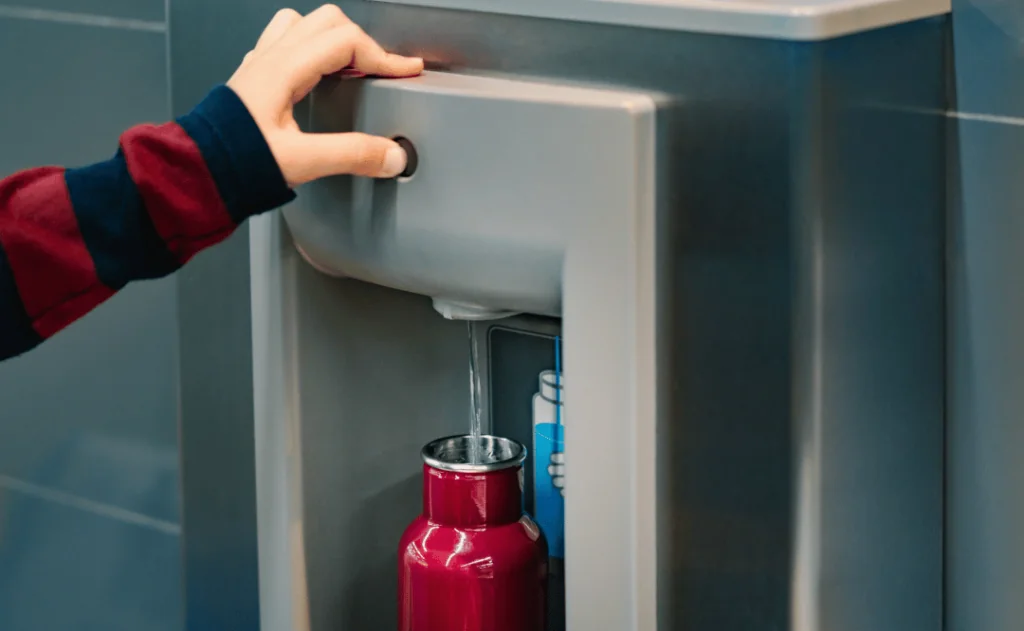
394, 162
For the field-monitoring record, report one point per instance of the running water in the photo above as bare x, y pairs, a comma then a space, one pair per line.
475, 408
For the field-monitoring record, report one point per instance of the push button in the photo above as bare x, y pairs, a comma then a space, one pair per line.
411, 158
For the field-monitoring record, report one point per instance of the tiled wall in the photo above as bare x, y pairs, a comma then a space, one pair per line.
985, 544
89, 506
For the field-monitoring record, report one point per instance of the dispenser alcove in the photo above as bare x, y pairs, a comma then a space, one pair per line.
516, 207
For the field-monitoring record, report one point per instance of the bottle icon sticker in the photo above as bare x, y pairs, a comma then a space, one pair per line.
549, 460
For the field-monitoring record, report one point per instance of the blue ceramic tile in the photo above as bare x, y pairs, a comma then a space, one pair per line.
69, 91
148, 10
94, 411
985, 561
62, 568
989, 58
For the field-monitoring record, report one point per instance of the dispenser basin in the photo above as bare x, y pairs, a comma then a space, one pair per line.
507, 172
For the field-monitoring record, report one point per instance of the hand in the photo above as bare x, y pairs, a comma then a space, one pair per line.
291, 57
557, 471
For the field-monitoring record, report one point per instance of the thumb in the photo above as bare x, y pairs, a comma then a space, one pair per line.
321, 155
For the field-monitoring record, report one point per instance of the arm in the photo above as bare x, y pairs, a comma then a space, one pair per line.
70, 239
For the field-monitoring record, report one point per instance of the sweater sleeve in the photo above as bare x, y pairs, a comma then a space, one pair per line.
71, 238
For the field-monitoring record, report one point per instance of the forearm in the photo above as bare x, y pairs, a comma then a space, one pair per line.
70, 239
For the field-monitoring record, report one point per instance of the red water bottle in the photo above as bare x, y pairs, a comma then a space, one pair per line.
473, 561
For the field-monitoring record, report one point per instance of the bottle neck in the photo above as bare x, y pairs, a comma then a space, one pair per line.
472, 500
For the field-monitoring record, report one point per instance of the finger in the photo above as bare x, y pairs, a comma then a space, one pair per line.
368, 56
283, 20
322, 155
327, 17
348, 46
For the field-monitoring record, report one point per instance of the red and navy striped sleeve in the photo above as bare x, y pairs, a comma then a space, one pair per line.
71, 238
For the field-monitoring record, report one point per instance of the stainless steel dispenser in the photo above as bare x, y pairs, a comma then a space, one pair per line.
732, 213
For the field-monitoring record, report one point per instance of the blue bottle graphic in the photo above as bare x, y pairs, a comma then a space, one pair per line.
549, 460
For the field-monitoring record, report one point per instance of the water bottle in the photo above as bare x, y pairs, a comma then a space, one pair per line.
549, 461
473, 560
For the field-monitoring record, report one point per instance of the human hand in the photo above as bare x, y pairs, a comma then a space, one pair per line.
291, 57
557, 471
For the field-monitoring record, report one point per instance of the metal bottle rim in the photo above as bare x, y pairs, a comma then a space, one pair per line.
509, 454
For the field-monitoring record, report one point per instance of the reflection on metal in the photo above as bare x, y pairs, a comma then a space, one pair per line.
456, 453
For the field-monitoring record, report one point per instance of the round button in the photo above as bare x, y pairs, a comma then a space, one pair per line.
412, 159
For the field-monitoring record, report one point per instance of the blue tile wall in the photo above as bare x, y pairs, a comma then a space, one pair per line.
89, 473
88, 10
985, 554
988, 56
985, 471
68, 566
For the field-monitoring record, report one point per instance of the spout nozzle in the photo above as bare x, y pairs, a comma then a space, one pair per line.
452, 310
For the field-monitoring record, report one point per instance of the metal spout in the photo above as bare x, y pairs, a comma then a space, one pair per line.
453, 310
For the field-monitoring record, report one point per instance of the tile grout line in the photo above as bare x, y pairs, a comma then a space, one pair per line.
80, 19
1002, 119
167, 61
987, 118
89, 506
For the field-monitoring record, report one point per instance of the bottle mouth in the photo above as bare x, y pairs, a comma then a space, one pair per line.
474, 454
551, 387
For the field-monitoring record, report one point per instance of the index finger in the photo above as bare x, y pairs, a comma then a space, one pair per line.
370, 57
349, 47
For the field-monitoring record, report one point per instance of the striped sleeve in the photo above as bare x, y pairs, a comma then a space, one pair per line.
70, 239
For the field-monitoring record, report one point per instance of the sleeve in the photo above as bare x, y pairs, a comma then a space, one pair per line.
71, 238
